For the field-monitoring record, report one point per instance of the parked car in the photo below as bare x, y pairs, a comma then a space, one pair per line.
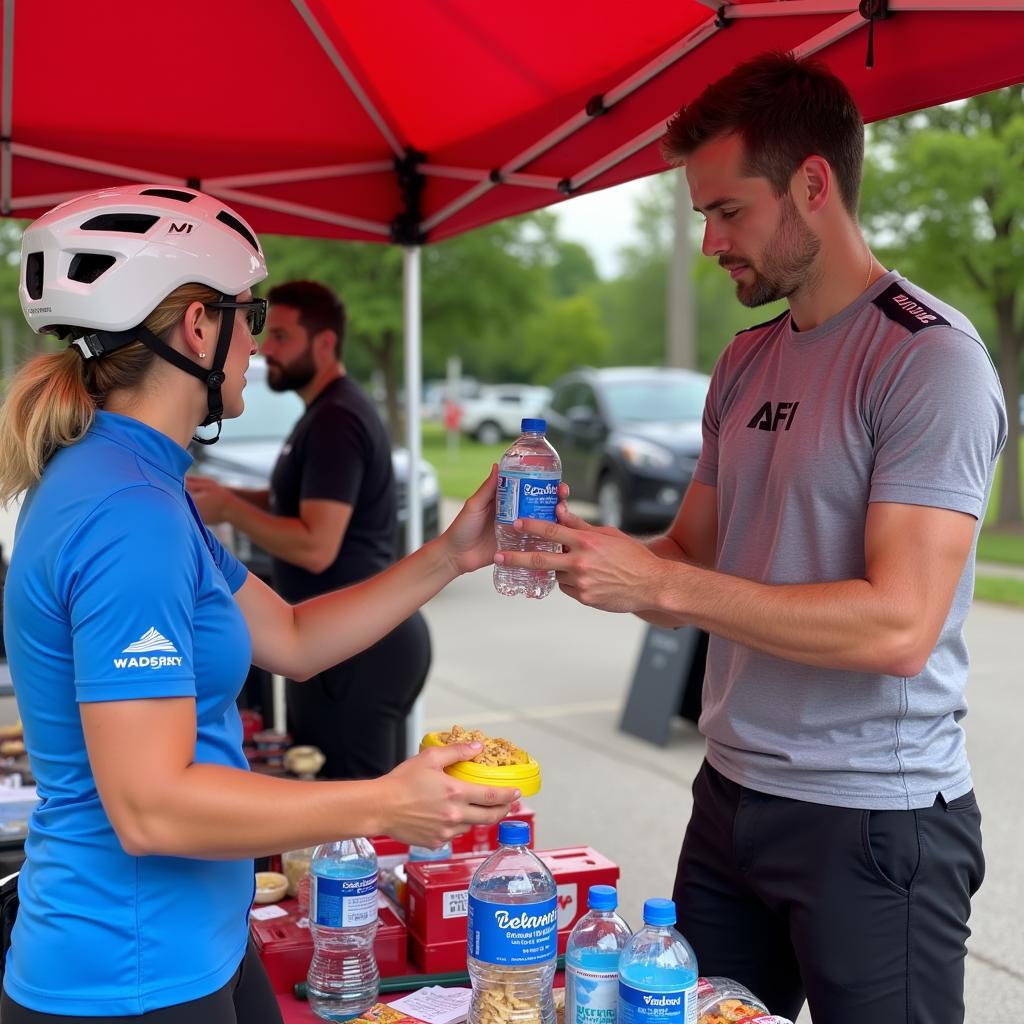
498, 410
436, 391
629, 439
248, 448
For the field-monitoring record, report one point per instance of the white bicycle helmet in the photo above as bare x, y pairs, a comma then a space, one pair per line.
95, 267
106, 260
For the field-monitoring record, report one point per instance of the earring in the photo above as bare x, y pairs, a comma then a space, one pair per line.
202, 355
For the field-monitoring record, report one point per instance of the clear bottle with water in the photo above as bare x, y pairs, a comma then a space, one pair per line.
512, 932
658, 971
343, 979
427, 853
528, 478
592, 960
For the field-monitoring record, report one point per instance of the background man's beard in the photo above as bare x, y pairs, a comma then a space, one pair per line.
789, 254
297, 374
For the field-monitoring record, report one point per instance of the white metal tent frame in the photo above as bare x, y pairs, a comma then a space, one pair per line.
412, 167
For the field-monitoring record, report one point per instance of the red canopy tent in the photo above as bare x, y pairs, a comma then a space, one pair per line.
413, 120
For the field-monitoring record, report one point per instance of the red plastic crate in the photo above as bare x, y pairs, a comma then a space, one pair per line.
286, 948
438, 899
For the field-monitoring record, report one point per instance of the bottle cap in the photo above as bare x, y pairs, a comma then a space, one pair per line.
602, 897
659, 912
533, 426
514, 833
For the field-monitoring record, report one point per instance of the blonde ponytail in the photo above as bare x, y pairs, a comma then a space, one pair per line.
53, 398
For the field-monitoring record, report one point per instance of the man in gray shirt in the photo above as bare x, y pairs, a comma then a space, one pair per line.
827, 545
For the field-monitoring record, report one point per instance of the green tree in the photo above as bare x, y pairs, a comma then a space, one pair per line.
476, 291
565, 333
943, 200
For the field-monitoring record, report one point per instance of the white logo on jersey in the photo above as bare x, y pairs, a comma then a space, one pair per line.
151, 640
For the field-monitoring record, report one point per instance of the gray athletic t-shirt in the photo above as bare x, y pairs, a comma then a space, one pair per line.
894, 399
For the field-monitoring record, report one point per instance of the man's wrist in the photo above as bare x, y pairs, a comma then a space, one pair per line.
670, 587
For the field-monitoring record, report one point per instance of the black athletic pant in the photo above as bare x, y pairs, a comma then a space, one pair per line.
864, 913
246, 999
355, 712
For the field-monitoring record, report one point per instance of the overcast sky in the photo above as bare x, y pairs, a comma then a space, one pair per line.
603, 221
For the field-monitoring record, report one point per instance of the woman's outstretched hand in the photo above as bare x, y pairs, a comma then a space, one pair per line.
469, 541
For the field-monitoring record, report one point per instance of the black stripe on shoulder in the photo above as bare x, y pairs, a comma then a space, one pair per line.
911, 313
767, 323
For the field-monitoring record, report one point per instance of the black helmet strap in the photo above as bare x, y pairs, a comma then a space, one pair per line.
99, 343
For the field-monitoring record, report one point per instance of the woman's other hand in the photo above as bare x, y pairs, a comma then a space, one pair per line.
424, 806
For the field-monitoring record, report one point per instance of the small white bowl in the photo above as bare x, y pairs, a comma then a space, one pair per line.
270, 886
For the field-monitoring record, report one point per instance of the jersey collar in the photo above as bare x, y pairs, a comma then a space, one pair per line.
147, 442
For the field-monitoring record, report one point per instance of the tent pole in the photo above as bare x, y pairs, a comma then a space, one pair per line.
7, 113
413, 496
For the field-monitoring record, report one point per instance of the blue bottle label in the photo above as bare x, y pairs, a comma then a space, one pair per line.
591, 997
527, 496
343, 902
678, 1006
512, 934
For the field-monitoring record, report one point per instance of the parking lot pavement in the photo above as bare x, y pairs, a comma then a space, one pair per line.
553, 676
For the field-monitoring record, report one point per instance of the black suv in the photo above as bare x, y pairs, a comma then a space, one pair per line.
629, 439
248, 448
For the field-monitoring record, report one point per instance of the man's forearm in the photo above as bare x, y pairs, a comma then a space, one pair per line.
283, 537
259, 498
848, 624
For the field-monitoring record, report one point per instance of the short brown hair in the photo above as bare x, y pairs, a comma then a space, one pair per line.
784, 109
319, 308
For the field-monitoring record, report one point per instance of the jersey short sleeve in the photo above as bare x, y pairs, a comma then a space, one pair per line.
335, 456
706, 470
937, 416
129, 577
234, 572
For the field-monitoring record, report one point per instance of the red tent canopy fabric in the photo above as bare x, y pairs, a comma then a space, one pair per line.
419, 119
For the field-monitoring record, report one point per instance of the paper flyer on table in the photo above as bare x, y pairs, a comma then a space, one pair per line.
436, 1005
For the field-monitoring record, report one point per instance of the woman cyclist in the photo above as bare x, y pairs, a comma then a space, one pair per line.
130, 630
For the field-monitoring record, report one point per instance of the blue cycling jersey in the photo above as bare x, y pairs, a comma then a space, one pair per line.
117, 591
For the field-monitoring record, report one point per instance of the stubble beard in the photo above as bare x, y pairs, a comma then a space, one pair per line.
293, 376
785, 262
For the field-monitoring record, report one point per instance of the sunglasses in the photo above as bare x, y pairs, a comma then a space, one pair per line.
255, 312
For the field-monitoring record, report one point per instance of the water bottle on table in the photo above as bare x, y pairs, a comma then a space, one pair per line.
658, 972
592, 960
512, 933
343, 979
528, 478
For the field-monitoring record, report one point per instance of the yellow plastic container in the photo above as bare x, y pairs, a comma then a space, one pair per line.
524, 777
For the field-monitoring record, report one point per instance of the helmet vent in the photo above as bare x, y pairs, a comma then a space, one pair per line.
233, 222
134, 223
168, 193
34, 275
87, 266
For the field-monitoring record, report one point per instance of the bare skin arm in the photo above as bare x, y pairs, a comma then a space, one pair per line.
886, 622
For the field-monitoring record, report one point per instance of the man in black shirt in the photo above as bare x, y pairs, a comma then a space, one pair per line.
328, 520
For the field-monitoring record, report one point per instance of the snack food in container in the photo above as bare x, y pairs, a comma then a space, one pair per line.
500, 763
724, 1001
270, 887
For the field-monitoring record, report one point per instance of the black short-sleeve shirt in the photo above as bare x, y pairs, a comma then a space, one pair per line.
338, 451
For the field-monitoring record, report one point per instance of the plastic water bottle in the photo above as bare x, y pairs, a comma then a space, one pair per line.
423, 853
658, 972
528, 478
512, 932
343, 979
592, 960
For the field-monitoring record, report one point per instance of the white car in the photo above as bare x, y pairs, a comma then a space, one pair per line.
497, 411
